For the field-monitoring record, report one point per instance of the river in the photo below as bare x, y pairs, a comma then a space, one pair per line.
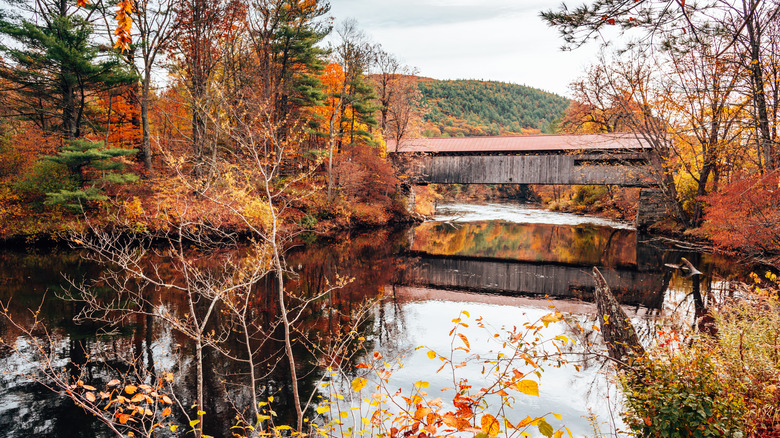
506, 264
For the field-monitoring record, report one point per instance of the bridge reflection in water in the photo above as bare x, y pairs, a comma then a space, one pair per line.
534, 259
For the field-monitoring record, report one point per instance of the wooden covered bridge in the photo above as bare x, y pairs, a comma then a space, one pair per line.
597, 159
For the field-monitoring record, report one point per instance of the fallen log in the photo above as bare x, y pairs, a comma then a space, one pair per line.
620, 336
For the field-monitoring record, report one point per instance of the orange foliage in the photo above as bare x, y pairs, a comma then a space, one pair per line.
26, 144
332, 79
746, 214
124, 121
170, 121
124, 25
364, 175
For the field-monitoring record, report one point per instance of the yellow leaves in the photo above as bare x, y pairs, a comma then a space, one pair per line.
526, 422
528, 387
133, 208
431, 354
90, 397
257, 212
358, 383
551, 318
131, 389
166, 412
490, 425
323, 409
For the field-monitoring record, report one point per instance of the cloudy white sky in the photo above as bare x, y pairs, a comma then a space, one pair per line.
501, 40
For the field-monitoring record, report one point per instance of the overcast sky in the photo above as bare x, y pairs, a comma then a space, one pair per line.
501, 40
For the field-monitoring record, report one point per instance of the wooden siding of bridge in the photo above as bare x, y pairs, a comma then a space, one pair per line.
531, 169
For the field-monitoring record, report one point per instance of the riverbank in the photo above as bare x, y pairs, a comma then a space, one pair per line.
155, 206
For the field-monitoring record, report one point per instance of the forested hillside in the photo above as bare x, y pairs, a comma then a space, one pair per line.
472, 108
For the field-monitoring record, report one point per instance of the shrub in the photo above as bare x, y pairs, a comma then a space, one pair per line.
590, 195
681, 394
746, 214
44, 177
748, 343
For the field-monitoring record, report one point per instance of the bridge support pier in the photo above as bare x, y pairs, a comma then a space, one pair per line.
407, 190
652, 208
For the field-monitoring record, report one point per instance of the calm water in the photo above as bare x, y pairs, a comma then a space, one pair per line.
505, 263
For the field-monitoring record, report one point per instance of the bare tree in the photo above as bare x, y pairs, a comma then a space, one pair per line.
400, 100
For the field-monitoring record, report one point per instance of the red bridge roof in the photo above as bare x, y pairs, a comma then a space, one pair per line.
527, 143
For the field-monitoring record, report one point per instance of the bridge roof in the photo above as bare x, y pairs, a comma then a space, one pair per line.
527, 143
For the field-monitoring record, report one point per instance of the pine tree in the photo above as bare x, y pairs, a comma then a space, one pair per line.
78, 156
55, 66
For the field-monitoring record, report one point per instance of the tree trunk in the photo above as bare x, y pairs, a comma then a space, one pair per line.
146, 147
765, 146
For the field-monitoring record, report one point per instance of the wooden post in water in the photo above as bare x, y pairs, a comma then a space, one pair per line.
619, 335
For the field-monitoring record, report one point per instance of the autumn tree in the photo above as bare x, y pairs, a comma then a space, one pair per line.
400, 100
155, 27
54, 64
596, 111
747, 30
753, 24
205, 28
349, 95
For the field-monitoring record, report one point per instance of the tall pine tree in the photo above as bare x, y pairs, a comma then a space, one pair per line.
54, 64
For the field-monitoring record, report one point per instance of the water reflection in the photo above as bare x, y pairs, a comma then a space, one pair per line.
580, 245
501, 269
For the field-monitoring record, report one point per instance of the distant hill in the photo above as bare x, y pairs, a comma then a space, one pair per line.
474, 108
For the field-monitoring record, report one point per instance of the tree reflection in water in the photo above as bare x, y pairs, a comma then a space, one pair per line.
379, 264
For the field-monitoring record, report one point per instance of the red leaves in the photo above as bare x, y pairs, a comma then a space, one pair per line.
746, 213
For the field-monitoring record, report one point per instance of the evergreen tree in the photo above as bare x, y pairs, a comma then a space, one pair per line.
79, 156
54, 65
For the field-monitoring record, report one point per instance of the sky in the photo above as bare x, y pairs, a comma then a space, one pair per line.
500, 40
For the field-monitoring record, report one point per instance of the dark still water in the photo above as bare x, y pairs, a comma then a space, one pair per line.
505, 263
